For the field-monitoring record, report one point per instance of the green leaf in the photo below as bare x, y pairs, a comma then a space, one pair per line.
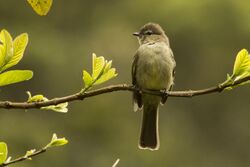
87, 79
3, 152
36, 98
19, 45
55, 142
101, 72
8, 160
11, 52
108, 73
107, 66
15, 76
241, 70
41, 7
242, 65
6, 48
106, 76
58, 142
98, 64
62, 107
29, 153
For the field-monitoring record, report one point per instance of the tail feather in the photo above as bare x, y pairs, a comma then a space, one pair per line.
149, 138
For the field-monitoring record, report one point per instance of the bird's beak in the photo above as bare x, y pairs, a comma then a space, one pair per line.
136, 34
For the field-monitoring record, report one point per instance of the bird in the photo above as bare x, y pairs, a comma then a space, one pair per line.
153, 68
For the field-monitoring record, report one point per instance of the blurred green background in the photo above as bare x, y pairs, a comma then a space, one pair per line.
206, 131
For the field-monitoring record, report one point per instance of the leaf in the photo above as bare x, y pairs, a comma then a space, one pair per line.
56, 141
106, 76
36, 98
101, 72
19, 46
8, 160
62, 107
11, 52
241, 70
242, 65
15, 76
6, 48
3, 152
87, 79
97, 66
29, 153
108, 73
107, 66
41, 7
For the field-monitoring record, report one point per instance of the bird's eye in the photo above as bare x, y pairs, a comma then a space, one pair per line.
148, 33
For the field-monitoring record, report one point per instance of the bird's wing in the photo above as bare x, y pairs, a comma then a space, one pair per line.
137, 99
164, 99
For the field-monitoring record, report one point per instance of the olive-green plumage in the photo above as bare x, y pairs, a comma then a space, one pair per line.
153, 68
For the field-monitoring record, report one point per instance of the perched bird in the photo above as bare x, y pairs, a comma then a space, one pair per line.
153, 69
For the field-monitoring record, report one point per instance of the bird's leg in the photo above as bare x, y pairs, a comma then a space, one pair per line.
164, 96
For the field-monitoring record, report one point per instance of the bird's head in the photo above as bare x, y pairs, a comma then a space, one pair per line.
150, 33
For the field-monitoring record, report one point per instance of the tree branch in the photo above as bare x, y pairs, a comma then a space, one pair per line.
24, 157
119, 87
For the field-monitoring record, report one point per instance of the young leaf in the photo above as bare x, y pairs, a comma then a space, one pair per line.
97, 66
19, 46
241, 70
8, 160
15, 76
41, 7
6, 48
101, 72
36, 98
56, 141
242, 65
106, 76
62, 107
3, 152
107, 66
87, 79
28, 153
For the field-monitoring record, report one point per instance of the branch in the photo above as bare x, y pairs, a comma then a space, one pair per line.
55, 142
24, 157
119, 87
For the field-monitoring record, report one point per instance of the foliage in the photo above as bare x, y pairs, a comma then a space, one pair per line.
3, 152
41, 7
30, 153
55, 142
101, 72
62, 107
11, 52
241, 70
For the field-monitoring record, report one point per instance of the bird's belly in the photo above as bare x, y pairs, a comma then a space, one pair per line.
154, 73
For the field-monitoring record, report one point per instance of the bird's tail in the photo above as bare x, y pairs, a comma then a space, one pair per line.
149, 138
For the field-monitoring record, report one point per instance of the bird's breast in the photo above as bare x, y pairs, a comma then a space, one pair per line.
154, 67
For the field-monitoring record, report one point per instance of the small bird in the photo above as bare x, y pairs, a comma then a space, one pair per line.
152, 69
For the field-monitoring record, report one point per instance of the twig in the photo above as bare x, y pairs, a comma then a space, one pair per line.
116, 163
113, 88
24, 157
